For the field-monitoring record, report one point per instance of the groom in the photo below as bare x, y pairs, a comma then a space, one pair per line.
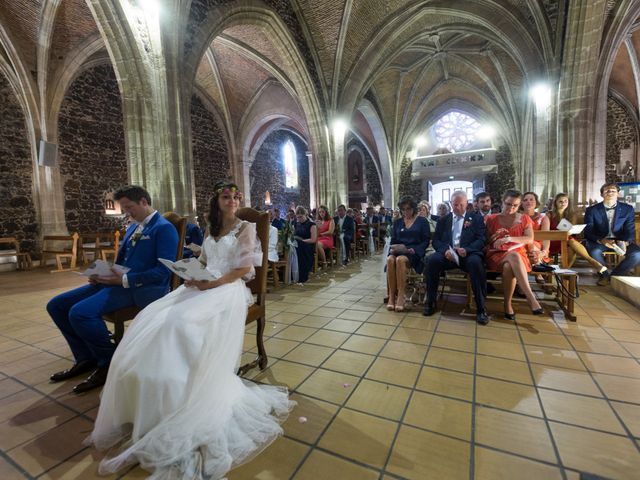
78, 313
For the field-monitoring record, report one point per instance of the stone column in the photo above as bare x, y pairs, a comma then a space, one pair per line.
146, 47
313, 200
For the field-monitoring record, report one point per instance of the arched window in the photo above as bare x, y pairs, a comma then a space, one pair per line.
456, 131
290, 165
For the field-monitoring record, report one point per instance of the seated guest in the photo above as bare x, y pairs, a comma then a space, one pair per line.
470, 208
346, 230
483, 203
443, 210
464, 233
610, 224
371, 217
291, 217
326, 229
306, 235
276, 221
509, 233
424, 210
273, 244
409, 240
384, 216
560, 210
496, 208
78, 313
194, 237
537, 251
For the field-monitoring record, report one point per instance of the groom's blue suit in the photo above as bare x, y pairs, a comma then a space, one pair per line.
78, 313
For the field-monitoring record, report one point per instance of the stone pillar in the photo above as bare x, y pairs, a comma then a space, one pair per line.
242, 169
313, 199
146, 49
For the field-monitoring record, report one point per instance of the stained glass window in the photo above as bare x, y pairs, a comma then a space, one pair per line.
455, 131
290, 165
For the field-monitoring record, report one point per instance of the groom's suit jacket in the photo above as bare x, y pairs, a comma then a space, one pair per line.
148, 279
472, 236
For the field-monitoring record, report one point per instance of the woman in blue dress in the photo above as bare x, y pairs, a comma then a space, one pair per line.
306, 234
409, 240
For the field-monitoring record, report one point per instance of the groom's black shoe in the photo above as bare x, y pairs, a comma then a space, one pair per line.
95, 380
429, 309
77, 369
482, 318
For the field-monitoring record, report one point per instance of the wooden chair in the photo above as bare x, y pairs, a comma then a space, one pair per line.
119, 317
23, 259
258, 286
94, 243
113, 250
49, 248
275, 269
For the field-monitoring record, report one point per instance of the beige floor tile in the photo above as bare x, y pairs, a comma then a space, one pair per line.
619, 388
579, 410
385, 318
309, 354
322, 465
20, 402
607, 347
341, 325
514, 433
625, 335
424, 455
499, 333
630, 415
626, 367
357, 315
46, 451
394, 372
312, 321
296, 333
440, 414
454, 342
9, 387
376, 330
83, 466
328, 311
602, 454
301, 307
330, 386
409, 352
420, 323
362, 344
454, 360
309, 418
379, 399
446, 382
283, 373
328, 338
286, 317
279, 460
457, 327
495, 348
573, 381
353, 363
508, 396
412, 335
554, 357
493, 465
9, 472
360, 436
632, 348
277, 347
545, 340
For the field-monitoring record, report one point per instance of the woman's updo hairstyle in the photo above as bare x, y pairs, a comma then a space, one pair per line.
214, 217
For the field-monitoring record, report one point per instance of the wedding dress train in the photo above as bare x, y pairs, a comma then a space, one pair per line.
172, 400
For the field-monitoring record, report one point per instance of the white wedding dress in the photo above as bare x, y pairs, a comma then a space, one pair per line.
172, 393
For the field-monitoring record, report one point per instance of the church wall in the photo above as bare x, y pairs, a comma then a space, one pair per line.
210, 154
91, 149
372, 179
505, 178
17, 211
267, 173
621, 135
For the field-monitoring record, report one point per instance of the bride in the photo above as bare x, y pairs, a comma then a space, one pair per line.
172, 400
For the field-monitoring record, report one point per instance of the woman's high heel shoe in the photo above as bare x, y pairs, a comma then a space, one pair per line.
538, 311
391, 307
510, 316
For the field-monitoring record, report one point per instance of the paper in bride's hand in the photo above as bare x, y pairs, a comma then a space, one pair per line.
100, 268
188, 269
194, 247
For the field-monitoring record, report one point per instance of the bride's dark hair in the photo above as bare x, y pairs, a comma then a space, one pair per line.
214, 218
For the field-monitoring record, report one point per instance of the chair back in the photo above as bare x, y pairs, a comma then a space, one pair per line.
181, 226
258, 285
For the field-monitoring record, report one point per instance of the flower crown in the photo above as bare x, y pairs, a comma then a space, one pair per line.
227, 190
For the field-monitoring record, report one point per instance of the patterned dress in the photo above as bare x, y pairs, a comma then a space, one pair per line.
495, 257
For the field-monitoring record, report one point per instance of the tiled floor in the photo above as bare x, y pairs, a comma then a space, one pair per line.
384, 395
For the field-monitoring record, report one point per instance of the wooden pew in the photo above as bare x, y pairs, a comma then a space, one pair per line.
50, 248
23, 259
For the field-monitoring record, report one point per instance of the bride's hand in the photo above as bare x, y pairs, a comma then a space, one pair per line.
201, 284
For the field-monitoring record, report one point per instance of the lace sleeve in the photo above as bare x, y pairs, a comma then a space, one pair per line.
249, 251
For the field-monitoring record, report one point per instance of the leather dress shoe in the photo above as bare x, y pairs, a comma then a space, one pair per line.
429, 309
77, 369
95, 380
482, 318
604, 278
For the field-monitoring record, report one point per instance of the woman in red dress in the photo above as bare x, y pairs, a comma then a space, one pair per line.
325, 234
509, 233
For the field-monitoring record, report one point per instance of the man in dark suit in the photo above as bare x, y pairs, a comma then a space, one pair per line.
276, 221
463, 233
347, 229
193, 236
78, 313
371, 218
610, 223
483, 203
